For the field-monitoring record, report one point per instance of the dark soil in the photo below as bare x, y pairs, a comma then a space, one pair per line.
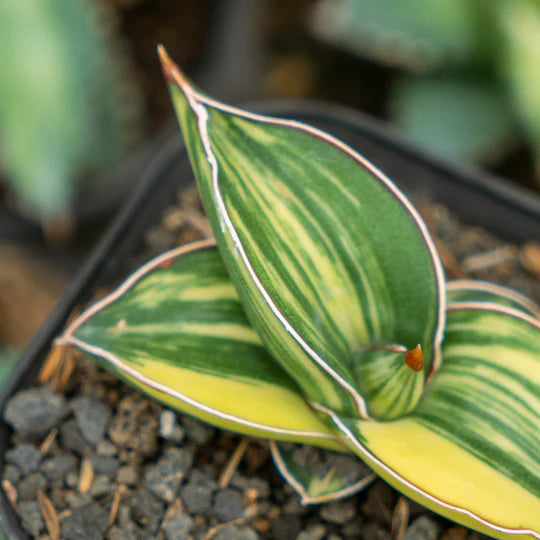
92, 458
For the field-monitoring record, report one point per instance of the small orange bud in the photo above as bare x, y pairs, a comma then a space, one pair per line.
166, 263
414, 358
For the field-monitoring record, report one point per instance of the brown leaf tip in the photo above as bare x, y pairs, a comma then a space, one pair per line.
171, 71
415, 359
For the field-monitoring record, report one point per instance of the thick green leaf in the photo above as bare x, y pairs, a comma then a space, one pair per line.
328, 256
470, 449
176, 331
469, 290
320, 476
456, 116
417, 34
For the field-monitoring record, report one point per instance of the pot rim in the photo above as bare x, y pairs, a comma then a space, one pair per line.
477, 185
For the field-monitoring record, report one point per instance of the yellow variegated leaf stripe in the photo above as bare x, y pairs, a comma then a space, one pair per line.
176, 330
331, 478
326, 253
470, 449
470, 290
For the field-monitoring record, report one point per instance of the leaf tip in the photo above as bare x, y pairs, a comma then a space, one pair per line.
171, 71
415, 359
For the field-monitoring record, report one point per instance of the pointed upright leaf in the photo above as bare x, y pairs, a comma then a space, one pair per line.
328, 256
176, 331
320, 476
470, 449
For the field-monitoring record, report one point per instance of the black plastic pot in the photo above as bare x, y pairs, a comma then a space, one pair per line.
474, 197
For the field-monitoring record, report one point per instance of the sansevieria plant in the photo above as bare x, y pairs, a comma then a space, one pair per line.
320, 315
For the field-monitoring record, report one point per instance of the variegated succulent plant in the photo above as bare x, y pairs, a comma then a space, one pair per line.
320, 315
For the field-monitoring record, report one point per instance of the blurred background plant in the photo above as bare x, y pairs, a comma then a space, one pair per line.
68, 106
469, 69
80, 83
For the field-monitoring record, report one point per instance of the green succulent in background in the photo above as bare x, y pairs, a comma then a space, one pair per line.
7, 363
320, 315
471, 67
63, 105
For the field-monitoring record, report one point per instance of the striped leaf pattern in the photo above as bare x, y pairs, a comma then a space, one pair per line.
390, 386
475, 291
320, 476
470, 449
328, 257
176, 330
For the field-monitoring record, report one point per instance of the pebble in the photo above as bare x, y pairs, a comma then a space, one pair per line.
235, 532
11, 474
103, 464
58, 467
32, 413
120, 533
134, 429
198, 432
101, 485
85, 523
379, 502
147, 510
58, 498
72, 439
286, 526
196, 497
294, 505
372, 531
72, 479
106, 448
127, 474
262, 487
76, 499
178, 527
315, 532
169, 429
228, 505
25, 456
339, 511
92, 417
422, 528
164, 478
30, 513
29, 486
198, 476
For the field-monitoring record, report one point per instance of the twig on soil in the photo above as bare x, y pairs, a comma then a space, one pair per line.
489, 259
11, 493
116, 504
48, 441
400, 518
231, 466
213, 530
53, 360
175, 508
52, 522
86, 476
